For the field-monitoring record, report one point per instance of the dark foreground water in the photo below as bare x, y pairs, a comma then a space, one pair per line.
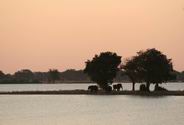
90, 110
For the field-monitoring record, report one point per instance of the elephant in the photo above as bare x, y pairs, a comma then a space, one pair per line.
117, 87
93, 88
143, 88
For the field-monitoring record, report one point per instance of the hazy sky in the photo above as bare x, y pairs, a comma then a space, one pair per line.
62, 34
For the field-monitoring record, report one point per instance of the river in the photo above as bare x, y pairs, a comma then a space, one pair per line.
88, 109
65, 86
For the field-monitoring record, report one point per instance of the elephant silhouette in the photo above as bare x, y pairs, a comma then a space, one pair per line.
93, 88
143, 88
117, 87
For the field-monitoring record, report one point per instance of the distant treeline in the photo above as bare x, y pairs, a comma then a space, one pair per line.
68, 76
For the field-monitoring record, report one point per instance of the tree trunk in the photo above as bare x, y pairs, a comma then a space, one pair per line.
133, 86
133, 82
147, 86
156, 85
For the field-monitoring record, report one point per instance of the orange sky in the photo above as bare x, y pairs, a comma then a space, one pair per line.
62, 34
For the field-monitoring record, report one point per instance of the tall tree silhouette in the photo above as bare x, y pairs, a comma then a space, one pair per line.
154, 67
53, 75
130, 68
102, 68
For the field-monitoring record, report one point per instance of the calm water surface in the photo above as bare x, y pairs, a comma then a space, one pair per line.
34, 87
90, 110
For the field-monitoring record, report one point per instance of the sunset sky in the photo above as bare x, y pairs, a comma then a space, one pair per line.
63, 34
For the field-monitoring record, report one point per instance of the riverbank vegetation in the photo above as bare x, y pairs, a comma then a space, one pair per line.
150, 67
75, 76
146, 67
103, 68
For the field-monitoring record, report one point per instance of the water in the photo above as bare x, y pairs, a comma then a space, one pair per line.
90, 110
42, 87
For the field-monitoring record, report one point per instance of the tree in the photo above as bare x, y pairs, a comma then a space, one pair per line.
103, 68
2, 75
24, 76
180, 76
53, 75
130, 69
74, 75
154, 67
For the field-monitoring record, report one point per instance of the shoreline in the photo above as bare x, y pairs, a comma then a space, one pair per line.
85, 92
76, 82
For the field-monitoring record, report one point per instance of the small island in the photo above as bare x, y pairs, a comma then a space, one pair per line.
146, 68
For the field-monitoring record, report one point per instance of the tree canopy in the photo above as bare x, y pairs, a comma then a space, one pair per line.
130, 68
1, 74
102, 68
53, 75
24, 75
151, 66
